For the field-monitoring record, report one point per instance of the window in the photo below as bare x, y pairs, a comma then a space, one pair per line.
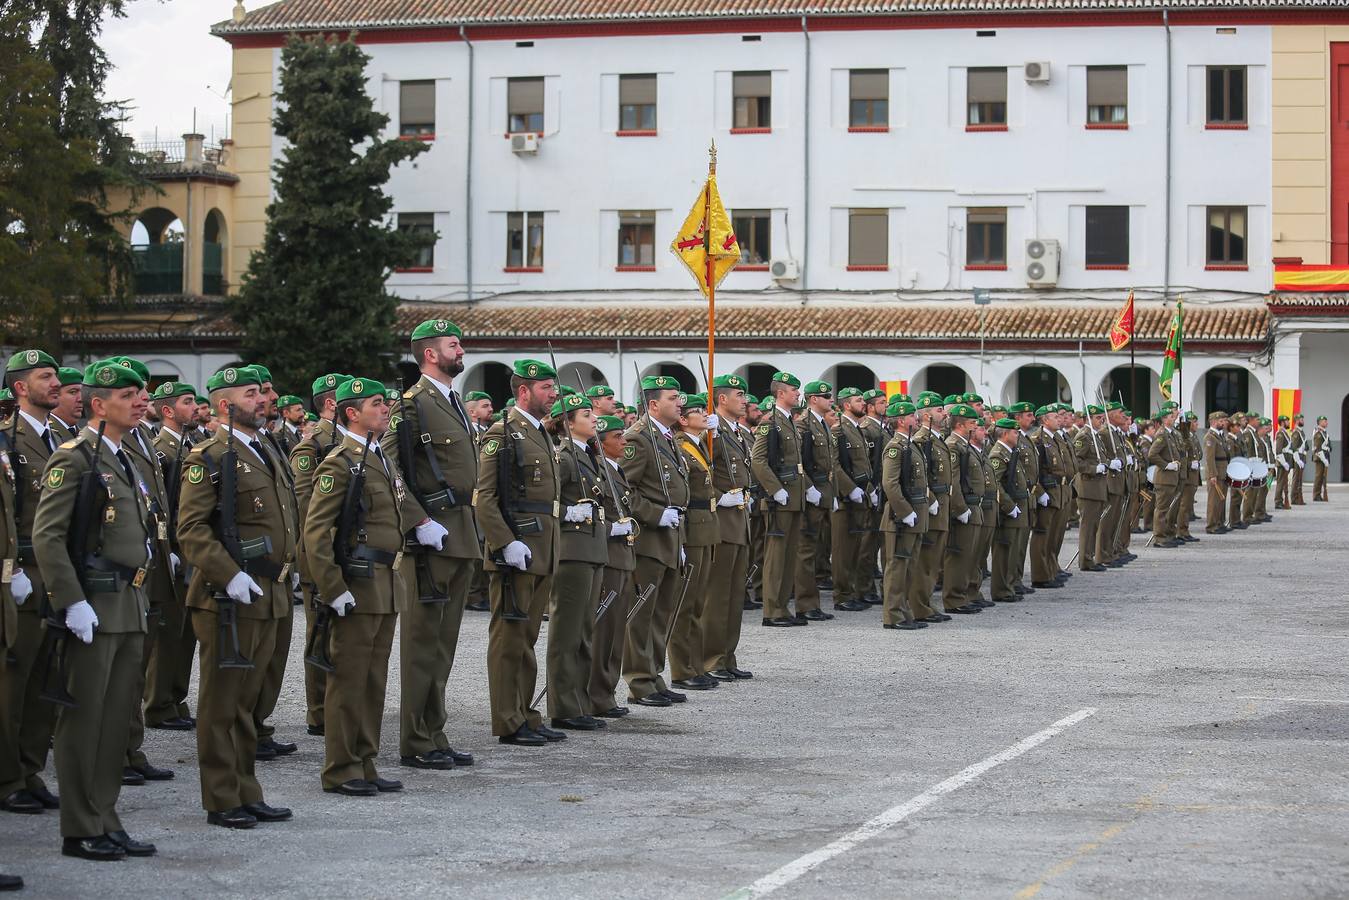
1227, 95
524, 240
1107, 237
753, 92
420, 224
986, 237
1227, 236
1107, 95
524, 105
417, 109
868, 238
637, 239
1226, 389
945, 379
986, 96
637, 103
868, 98
751, 231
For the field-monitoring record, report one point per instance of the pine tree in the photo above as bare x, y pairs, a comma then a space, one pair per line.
313, 299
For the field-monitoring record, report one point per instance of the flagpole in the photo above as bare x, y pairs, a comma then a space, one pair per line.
1133, 371
711, 288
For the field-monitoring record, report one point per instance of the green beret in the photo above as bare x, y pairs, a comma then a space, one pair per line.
69, 376
1094, 410
393, 395
630, 410
730, 381
6, 395
818, 389
950, 399
699, 400
134, 365
112, 375
928, 401
1191, 417
201, 400
599, 390
510, 403
288, 400
964, 411
1009, 424
872, 394
434, 328
900, 408
30, 359
1129, 413
900, 398
325, 383
1171, 404
170, 389
1112, 405
311, 417
660, 383
232, 377
1021, 407
971, 397
263, 372
1044, 411
682, 399
751, 399
848, 393
569, 403
997, 409
1249, 415
767, 404
1265, 421
567, 390
606, 424
359, 389
787, 378
533, 370
478, 395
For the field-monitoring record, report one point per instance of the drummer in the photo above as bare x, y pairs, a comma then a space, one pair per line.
1216, 458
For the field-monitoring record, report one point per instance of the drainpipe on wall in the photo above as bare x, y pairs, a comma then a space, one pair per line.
468, 175
1166, 230
805, 158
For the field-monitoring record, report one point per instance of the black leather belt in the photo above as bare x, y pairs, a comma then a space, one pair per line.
264, 567
534, 506
362, 560
103, 576
26, 552
939, 488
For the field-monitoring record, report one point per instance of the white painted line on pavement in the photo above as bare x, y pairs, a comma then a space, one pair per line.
1293, 700
896, 814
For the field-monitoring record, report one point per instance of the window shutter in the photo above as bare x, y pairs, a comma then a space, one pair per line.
869, 84
868, 237
753, 84
636, 90
525, 96
417, 102
987, 86
1107, 86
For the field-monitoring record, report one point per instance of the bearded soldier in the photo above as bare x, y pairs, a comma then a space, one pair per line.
723, 611
776, 462
904, 519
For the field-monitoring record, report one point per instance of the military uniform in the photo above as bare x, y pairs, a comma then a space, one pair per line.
988, 524
701, 536
1252, 450
819, 465
1284, 465
1298, 457
607, 640
1091, 463
724, 610
1189, 482
776, 463
170, 672
967, 496
1053, 472
876, 437
9, 624
1167, 455
304, 462
904, 482
1108, 544
1013, 497
275, 675
1215, 474
850, 526
932, 545
1029, 461
1236, 499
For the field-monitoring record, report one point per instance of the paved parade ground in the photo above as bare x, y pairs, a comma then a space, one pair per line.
1178, 728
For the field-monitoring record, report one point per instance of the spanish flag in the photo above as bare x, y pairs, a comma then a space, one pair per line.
706, 241
1287, 402
1122, 331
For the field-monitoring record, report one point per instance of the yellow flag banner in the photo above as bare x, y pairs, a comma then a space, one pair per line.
707, 235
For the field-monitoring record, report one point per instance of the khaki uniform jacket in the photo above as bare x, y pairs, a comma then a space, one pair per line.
122, 537
701, 529
1298, 445
730, 473
166, 452
441, 431
1249, 443
1029, 460
1215, 455
784, 472
967, 492
659, 478
383, 527
527, 455
1166, 449
905, 487
304, 462
820, 459
876, 436
1013, 489
1052, 465
621, 555
264, 507
582, 481
1088, 453
9, 547
1194, 476
140, 445
28, 458
854, 458
1112, 443
940, 473
988, 508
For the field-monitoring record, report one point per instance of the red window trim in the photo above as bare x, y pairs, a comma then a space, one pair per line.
1226, 126
1102, 267
1107, 126
868, 268
636, 132
868, 129
982, 267
752, 130
985, 127
634, 268
415, 269
1215, 268
751, 268
517, 269
417, 137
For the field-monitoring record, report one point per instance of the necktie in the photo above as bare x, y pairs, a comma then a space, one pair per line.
267, 461
47, 439
463, 416
126, 467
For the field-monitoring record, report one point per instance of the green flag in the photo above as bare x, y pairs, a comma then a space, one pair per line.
1175, 345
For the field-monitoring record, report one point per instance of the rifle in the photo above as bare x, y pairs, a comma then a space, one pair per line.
407, 462
571, 449
226, 511
90, 500
624, 514
510, 609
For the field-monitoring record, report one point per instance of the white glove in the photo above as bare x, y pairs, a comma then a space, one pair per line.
749, 503
780, 497
1016, 512
620, 529
1100, 468
578, 513
517, 555
855, 495
432, 534
964, 517
1300, 463
242, 588
683, 558
729, 500
1116, 465
82, 620
20, 587
669, 518
1172, 466
835, 506
932, 510
174, 564
813, 495
876, 499
1043, 500
1129, 458
713, 423
910, 520
343, 603
1194, 464
1284, 463
294, 581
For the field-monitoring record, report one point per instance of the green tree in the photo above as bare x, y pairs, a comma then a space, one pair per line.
313, 299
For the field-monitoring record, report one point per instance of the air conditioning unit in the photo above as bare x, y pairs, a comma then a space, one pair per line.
1042, 262
1037, 72
784, 269
525, 143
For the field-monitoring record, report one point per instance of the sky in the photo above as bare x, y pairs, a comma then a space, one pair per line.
166, 63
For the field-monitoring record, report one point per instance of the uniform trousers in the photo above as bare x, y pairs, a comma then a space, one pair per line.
607, 640
512, 667
354, 704
686, 637
644, 646
428, 636
571, 621
724, 610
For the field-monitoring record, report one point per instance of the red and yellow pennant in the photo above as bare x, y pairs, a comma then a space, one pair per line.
1287, 402
1122, 330
706, 242
897, 386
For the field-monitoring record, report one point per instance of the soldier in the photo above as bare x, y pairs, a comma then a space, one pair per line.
354, 547
69, 409
1265, 451
288, 433
1013, 496
1250, 449
820, 469
967, 515
436, 446
776, 464
1023, 413
722, 613
517, 509
1298, 457
849, 526
479, 406
1109, 552
238, 531
1167, 455
932, 546
1190, 475
988, 513
602, 399
660, 497
755, 409
1215, 471
904, 518
170, 672
1283, 463
114, 536
1053, 467
1236, 427
616, 592
12, 595
1092, 462
25, 719
876, 435
701, 536
1067, 505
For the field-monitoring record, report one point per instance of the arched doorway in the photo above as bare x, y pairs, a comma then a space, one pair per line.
157, 238
1039, 385
1227, 388
941, 378
214, 240
581, 375
673, 369
492, 378
1136, 397
851, 375
759, 376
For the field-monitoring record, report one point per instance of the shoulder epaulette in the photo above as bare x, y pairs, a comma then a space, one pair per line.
73, 443
414, 390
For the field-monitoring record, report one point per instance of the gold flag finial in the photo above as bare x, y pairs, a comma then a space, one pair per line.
712, 158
